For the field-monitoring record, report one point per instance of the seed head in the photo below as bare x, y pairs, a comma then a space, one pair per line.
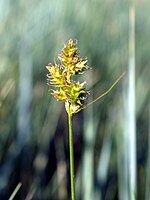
60, 75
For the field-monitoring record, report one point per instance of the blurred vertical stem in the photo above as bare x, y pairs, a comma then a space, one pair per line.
147, 190
131, 103
71, 154
15, 191
89, 134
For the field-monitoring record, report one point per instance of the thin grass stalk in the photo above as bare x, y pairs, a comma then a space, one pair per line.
71, 155
106, 92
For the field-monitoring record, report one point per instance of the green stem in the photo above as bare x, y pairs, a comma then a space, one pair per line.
71, 155
105, 93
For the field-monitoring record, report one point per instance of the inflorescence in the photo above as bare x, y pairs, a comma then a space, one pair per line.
60, 75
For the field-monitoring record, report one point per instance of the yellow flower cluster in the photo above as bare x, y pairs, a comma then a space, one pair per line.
72, 93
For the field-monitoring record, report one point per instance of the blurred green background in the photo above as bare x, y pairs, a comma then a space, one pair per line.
110, 164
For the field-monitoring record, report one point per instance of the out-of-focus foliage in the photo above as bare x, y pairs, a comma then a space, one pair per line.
33, 32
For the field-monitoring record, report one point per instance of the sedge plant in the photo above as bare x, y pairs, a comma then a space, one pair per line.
72, 93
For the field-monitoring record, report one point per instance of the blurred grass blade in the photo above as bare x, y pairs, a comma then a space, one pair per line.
131, 104
15, 191
25, 94
122, 150
89, 136
147, 185
104, 158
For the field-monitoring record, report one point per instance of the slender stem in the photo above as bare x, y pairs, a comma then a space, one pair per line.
105, 93
71, 155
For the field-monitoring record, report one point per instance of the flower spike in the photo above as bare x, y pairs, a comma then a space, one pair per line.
60, 75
